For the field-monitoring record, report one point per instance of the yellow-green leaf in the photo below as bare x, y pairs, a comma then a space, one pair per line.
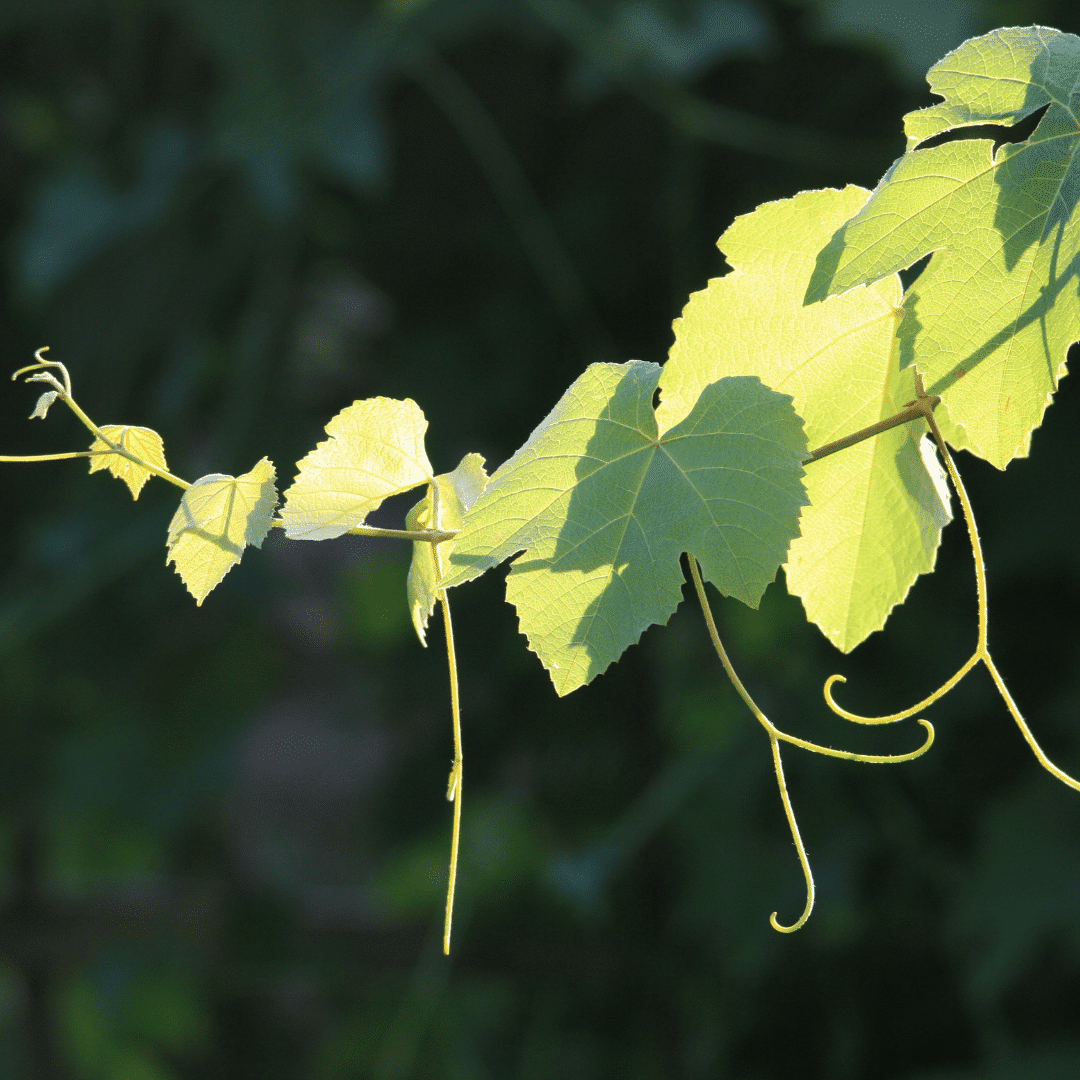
375, 450
142, 441
604, 503
218, 517
457, 491
44, 403
990, 320
876, 509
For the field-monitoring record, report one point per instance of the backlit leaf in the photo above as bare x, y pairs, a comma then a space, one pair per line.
142, 441
604, 503
44, 403
989, 320
217, 518
877, 508
457, 491
375, 450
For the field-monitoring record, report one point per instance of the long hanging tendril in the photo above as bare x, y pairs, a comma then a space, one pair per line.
776, 736
982, 651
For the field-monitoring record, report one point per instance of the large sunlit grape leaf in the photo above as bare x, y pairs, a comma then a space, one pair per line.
603, 504
456, 492
141, 441
877, 508
217, 518
375, 450
989, 320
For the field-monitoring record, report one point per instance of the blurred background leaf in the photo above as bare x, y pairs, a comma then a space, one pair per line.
223, 831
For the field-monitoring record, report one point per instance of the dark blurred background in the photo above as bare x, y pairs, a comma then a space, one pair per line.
223, 832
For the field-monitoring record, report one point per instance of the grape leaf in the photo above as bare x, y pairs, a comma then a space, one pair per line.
876, 509
457, 491
44, 403
142, 441
604, 503
375, 450
989, 320
217, 518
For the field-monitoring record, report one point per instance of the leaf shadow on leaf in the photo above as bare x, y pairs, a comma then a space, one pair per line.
642, 499
217, 539
828, 260
1037, 311
1021, 169
1028, 172
254, 534
598, 528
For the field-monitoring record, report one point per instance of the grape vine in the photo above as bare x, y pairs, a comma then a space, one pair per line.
811, 340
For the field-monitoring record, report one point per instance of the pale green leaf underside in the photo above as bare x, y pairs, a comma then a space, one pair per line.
989, 321
217, 518
141, 441
457, 491
44, 403
603, 506
876, 509
375, 450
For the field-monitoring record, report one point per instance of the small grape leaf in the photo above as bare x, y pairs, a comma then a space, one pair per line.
217, 518
457, 491
44, 403
375, 450
876, 509
142, 441
604, 503
989, 320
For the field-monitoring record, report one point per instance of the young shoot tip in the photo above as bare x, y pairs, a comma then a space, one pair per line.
41, 362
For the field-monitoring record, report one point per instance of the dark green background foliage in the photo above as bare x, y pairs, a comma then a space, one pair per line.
223, 836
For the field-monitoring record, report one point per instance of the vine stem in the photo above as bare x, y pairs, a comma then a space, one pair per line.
63, 390
912, 411
775, 737
48, 457
430, 536
454, 784
785, 798
926, 404
453, 787
982, 651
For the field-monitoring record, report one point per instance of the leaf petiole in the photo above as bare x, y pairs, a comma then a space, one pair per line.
913, 411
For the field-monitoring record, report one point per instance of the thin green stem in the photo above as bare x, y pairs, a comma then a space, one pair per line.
63, 391
847, 755
432, 536
778, 766
983, 650
1029, 738
905, 416
905, 714
453, 788
973, 534
924, 405
454, 784
48, 457
800, 847
776, 736
116, 448
718, 646
40, 363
